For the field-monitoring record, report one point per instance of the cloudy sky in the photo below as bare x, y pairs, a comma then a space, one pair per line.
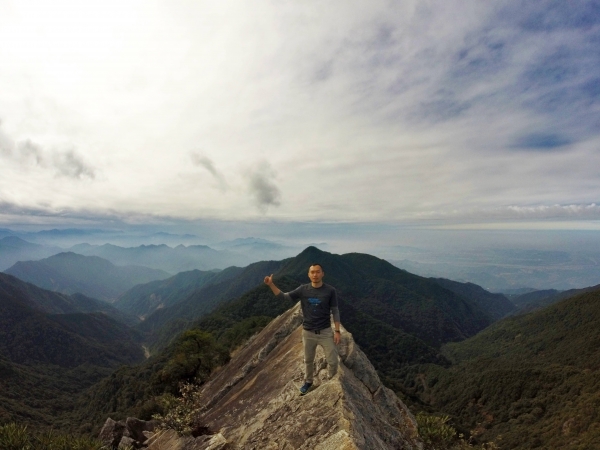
405, 112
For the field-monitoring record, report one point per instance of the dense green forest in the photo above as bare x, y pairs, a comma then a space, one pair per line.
533, 379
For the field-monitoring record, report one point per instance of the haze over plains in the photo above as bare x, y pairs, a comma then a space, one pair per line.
301, 120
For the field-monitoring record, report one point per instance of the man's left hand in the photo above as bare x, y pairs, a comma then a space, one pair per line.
337, 337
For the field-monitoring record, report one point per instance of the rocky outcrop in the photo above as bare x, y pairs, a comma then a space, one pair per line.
129, 433
254, 403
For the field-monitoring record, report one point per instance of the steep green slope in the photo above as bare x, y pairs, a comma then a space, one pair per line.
226, 285
31, 337
71, 273
540, 299
494, 305
136, 390
47, 359
143, 299
534, 379
43, 395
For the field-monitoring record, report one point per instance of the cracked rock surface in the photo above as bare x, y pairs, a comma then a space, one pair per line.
254, 403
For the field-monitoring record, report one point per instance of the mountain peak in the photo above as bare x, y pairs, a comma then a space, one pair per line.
253, 402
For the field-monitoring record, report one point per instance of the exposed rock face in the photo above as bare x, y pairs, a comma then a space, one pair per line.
126, 433
254, 402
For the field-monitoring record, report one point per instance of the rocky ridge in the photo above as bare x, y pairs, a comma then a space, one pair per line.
253, 402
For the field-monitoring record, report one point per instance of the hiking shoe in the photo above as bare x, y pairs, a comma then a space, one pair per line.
305, 388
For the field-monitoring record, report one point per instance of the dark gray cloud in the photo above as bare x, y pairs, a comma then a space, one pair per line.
205, 162
29, 151
6, 144
262, 188
67, 163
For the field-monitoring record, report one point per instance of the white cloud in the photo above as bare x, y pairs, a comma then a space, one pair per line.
371, 111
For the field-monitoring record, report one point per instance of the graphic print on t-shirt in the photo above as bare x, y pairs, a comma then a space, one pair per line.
314, 302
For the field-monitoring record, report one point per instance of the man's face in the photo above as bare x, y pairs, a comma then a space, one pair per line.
315, 273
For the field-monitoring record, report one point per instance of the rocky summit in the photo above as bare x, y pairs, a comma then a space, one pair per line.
253, 402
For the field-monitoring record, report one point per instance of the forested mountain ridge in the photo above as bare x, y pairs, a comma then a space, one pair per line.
226, 285
46, 359
533, 378
142, 300
95, 277
51, 302
540, 299
414, 304
30, 336
496, 306
371, 290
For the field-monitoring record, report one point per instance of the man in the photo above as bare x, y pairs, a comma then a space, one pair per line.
318, 300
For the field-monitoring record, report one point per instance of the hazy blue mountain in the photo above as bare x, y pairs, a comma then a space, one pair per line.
258, 249
51, 302
14, 249
522, 300
143, 299
71, 273
541, 299
6, 232
171, 259
495, 305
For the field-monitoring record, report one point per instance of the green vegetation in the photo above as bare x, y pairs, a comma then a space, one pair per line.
532, 379
437, 434
137, 390
180, 411
227, 285
19, 437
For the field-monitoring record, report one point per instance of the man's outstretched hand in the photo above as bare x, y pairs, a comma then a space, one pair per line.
269, 280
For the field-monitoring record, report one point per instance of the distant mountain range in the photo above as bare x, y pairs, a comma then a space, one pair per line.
162, 257
71, 273
13, 249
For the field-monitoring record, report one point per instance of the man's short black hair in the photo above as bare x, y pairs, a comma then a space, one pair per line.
317, 264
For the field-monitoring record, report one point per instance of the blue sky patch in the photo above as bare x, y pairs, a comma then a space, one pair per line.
542, 141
